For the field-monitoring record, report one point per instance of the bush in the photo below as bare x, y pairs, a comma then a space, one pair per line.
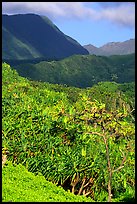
19, 185
67, 142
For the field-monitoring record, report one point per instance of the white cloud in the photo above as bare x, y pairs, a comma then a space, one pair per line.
114, 4
54, 9
120, 13
123, 15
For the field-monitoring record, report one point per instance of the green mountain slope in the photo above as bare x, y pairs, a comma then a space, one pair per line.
13, 48
27, 36
82, 70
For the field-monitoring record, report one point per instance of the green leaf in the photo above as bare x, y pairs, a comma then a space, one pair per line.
83, 152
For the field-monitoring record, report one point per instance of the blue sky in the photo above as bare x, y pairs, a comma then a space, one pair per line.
93, 23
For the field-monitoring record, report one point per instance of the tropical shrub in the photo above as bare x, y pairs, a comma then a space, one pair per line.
82, 146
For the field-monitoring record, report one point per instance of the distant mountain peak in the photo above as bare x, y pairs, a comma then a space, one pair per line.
113, 48
111, 43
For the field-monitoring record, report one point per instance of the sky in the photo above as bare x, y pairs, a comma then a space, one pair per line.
95, 23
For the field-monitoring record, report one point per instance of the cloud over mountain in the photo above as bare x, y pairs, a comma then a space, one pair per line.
120, 13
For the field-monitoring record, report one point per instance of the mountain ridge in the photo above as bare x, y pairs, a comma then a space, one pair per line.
113, 48
35, 36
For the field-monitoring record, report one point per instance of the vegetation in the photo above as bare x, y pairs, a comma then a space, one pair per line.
70, 70
19, 185
72, 136
114, 95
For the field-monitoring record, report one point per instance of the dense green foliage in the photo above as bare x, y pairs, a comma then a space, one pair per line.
114, 95
64, 133
82, 70
19, 185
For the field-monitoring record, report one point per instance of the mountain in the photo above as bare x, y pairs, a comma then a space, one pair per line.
29, 36
93, 50
81, 70
119, 48
113, 48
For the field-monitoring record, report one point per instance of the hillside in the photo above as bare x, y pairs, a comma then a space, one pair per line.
113, 48
19, 185
69, 135
29, 36
81, 70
